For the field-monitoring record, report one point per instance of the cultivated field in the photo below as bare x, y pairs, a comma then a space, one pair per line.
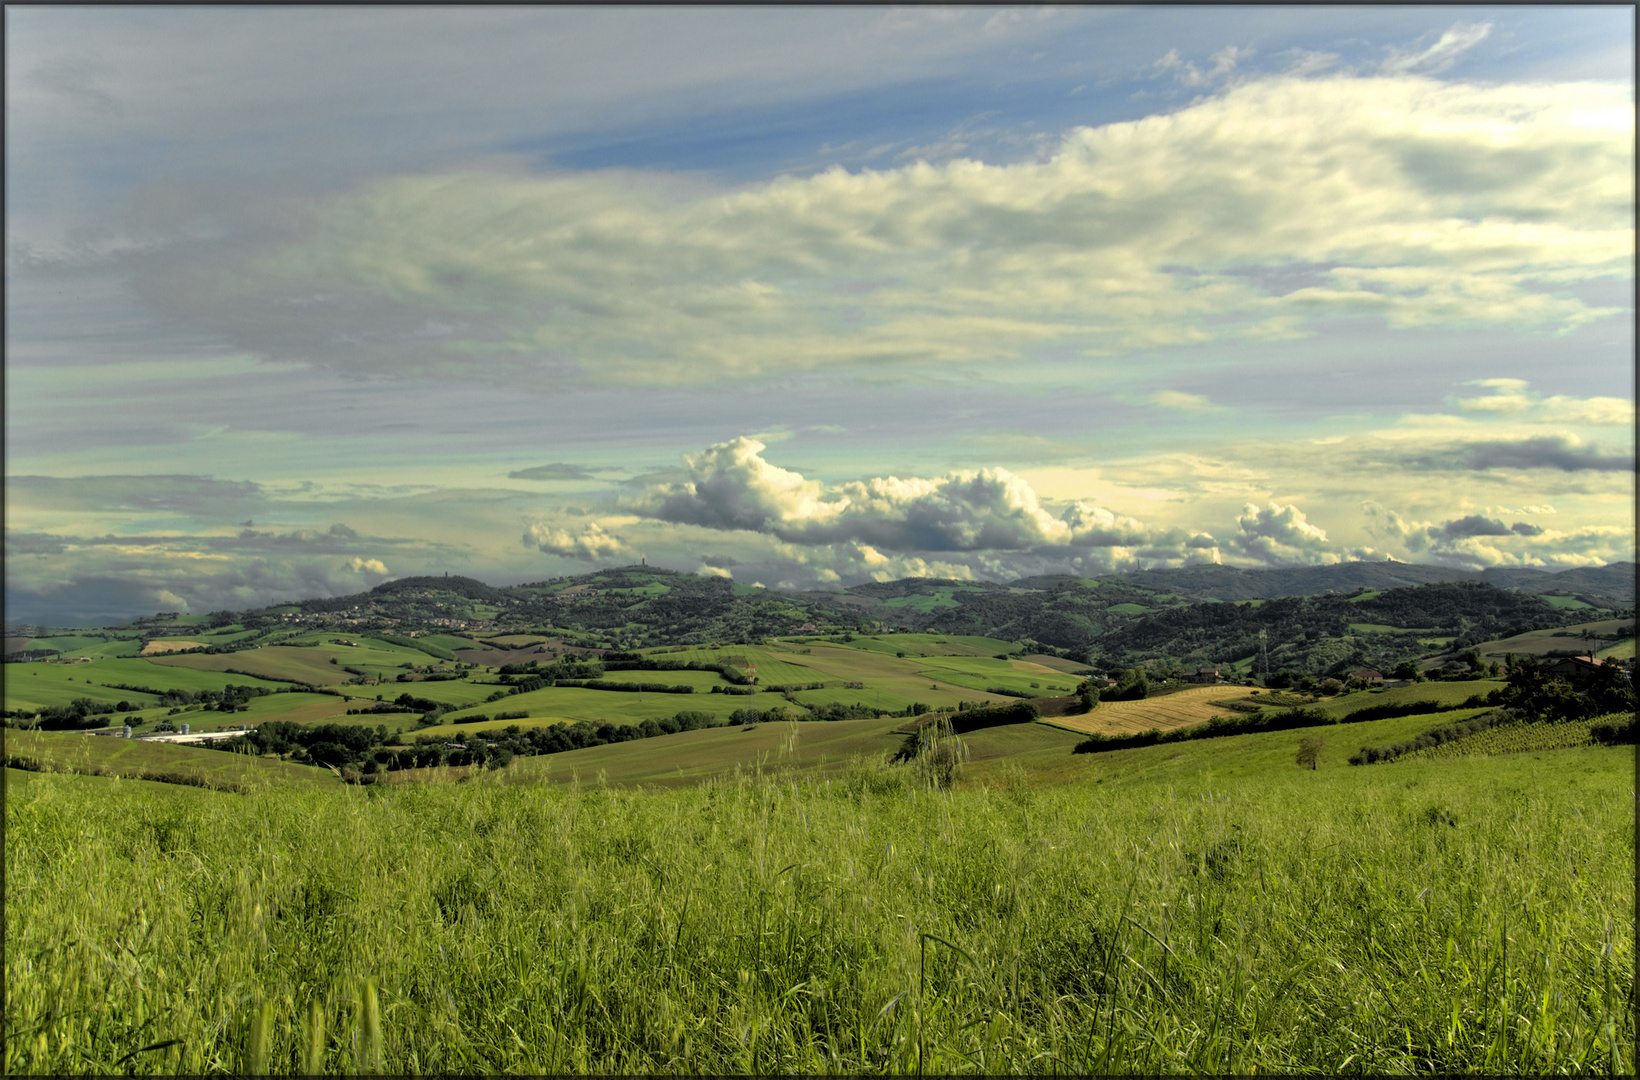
1539, 642
169, 645
1178, 709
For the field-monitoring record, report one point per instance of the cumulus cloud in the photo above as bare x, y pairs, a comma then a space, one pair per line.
1414, 201
1473, 525
1476, 541
592, 543
72, 579
1278, 535
732, 487
986, 523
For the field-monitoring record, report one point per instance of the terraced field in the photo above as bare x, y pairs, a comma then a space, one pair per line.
1175, 710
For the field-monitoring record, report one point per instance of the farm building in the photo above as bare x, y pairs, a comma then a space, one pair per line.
1580, 671
1206, 675
1366, 675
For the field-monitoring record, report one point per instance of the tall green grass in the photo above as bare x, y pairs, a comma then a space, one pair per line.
1454, 916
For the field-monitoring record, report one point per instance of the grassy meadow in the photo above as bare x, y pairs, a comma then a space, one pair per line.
1424, 916
778, 898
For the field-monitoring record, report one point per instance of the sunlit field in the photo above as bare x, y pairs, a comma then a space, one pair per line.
1465, 915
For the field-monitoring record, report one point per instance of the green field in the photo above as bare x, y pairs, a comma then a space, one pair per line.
570, 704
690, 757
925, 602
775, 666
38, 686
1443, 693
1623, 650
980, 673
1567, 603
1539, 642
1201, 909
778, 898
66, 751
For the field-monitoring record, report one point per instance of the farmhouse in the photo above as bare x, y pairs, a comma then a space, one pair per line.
1366, 675
1580, 671
1206, 675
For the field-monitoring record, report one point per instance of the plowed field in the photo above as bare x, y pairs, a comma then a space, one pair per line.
1176, 710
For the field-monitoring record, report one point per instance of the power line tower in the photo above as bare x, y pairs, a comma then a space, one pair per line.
1264, 653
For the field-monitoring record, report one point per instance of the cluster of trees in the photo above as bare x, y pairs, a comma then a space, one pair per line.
334, 745
1534, 690
79, 714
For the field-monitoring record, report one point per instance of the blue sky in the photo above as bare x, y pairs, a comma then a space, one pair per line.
302, 299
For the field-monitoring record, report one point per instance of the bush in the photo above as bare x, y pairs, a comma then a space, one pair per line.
1615, 731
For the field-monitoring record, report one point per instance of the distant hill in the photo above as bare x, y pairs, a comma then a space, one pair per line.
1613, 582
1121, 618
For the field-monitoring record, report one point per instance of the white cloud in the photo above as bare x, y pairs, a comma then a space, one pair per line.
1183, 402
732, 487
1511, 398
367, 566
1278, 535
1436, 58
1432, 204
591, 544
1188, 74
1477, 542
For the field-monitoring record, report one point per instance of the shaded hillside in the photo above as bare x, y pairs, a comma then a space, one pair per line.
1331, 633
1154, 614
1613, 582
1229, 583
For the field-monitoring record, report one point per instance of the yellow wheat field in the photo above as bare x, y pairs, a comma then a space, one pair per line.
169, 645
1179, 709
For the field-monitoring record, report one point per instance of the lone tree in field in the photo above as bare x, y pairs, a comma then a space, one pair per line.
1309, 751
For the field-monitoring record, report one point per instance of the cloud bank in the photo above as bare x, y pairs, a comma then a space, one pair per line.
1403, 199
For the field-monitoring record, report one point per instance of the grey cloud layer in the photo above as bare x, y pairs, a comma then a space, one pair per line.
1413, 201
1560, 453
